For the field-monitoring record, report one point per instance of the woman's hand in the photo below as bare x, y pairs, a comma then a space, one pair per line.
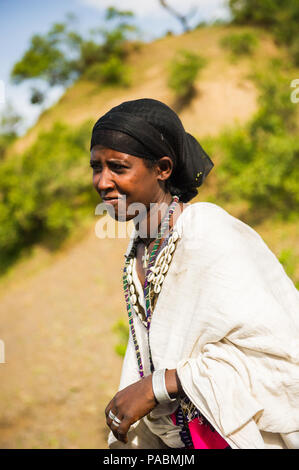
129, 405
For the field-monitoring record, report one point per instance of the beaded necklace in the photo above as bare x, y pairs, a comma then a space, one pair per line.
152, 258
180, 415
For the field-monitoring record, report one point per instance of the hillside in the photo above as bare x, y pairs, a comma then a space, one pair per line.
224, 91
58, 309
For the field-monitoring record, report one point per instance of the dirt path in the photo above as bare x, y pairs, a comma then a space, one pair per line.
61, 369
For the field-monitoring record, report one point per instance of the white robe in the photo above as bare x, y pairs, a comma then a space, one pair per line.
227, 318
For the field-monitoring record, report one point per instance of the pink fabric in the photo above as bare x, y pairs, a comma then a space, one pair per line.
202, 435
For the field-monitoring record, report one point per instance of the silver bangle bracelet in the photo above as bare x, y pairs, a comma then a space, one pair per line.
159, 387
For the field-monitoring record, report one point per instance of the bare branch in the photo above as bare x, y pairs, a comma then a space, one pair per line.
182, 18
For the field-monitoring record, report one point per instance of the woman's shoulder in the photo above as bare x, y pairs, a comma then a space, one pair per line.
202, 214
203, 208
212, 222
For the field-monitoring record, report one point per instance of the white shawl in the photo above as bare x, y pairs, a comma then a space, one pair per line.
227, 318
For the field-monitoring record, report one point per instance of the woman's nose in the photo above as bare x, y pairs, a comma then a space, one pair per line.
105, 181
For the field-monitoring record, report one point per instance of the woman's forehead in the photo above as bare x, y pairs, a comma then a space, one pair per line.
101, 152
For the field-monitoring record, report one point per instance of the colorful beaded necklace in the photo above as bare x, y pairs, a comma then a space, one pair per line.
152, 258
180, 415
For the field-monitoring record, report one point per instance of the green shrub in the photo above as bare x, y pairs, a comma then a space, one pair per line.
240, 43
184, 70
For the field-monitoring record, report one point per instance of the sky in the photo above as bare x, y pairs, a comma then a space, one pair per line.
20, 19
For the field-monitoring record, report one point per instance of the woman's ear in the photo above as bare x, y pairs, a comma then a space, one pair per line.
164, 168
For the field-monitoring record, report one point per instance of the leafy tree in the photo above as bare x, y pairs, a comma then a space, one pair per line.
62, 55
45, 57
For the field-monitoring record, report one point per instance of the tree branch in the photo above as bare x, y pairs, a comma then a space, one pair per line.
179, 16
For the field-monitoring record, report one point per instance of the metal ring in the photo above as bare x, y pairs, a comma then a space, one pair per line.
111, 415
117, 420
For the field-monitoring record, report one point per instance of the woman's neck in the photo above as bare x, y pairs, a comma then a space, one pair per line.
149, 226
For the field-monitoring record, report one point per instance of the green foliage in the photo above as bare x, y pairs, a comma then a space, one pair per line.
112, 72
44, 190
45, 58
282, 18
277, 114
294, 50
107, 66
263, 170
261, 160
240, 43
184, 70
5, 141
254, 11
90, 53
122, 331
112, 13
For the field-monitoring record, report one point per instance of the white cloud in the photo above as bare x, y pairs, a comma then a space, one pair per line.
207, 9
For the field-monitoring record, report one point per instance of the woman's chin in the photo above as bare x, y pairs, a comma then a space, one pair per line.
119, 215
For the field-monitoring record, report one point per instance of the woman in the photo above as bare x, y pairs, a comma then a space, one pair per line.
212, 358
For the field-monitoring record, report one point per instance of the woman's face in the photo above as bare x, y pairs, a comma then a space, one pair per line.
119, 177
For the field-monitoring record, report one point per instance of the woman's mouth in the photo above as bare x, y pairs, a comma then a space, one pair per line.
110, 200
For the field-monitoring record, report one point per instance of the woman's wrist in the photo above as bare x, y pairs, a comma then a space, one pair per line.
173, 384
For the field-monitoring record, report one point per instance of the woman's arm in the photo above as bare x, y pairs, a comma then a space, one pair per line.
136, 401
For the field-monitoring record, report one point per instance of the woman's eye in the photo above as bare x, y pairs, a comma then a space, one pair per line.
96, 167
116, 167
113, 167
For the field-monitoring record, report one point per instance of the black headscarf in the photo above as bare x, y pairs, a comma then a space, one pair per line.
148, 128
